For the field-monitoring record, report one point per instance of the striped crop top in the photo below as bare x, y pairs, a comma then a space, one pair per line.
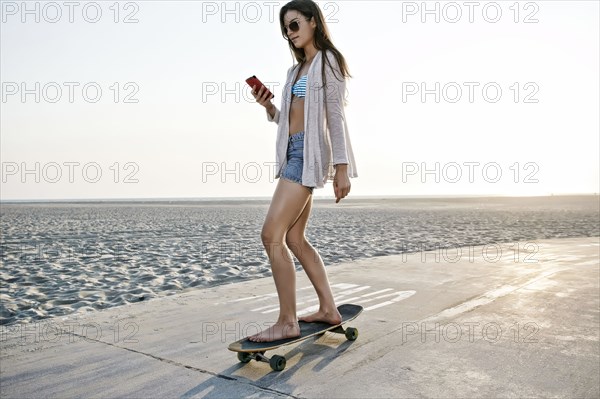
299, 88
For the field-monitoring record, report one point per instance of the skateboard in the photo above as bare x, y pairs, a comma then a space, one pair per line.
248, 350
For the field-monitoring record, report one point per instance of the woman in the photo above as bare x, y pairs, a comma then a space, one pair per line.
305, 160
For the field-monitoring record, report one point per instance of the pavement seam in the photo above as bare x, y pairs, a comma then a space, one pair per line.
175, 363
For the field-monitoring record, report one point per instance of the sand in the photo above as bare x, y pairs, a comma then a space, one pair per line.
64, 258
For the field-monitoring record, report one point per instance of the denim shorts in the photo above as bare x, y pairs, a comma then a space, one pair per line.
295, 160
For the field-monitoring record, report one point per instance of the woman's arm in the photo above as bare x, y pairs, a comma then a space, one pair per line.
272, 114
334, 103
261, 98
271, 109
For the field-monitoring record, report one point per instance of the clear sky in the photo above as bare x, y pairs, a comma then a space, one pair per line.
148, 98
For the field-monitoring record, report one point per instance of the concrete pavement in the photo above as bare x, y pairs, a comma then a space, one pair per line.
504, 322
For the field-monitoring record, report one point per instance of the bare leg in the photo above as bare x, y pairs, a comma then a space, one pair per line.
315, 269
288, 201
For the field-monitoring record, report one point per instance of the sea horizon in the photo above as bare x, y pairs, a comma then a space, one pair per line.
261, 198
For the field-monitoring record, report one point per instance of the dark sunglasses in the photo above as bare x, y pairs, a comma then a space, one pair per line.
294, 26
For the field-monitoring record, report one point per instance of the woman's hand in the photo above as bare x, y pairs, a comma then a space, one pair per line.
261, 97
341, 182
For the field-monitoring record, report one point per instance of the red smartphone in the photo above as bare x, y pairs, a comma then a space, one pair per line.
254, 81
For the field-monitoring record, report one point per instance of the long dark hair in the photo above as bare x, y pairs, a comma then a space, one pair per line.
321, 38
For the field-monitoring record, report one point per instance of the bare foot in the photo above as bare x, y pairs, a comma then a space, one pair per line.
331, 317
277, 331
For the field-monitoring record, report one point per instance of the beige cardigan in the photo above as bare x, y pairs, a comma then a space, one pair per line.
326, 138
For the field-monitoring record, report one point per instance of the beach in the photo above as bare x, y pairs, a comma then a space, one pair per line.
63, 258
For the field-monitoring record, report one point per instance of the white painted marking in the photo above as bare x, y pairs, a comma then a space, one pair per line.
259, 297
262, 308
316, 307
378, 292
345, 293
313, 298
379, 305
349, 300
401, 295
489, 296
344, 286
342, 293
308, 310
307, 299
274, 308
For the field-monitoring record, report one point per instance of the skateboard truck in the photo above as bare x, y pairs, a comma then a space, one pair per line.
276, 362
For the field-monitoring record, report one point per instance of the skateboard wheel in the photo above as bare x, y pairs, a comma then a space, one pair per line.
277, 362
244, 357
351, 333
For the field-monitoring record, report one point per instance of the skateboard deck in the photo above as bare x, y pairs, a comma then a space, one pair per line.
248, 350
